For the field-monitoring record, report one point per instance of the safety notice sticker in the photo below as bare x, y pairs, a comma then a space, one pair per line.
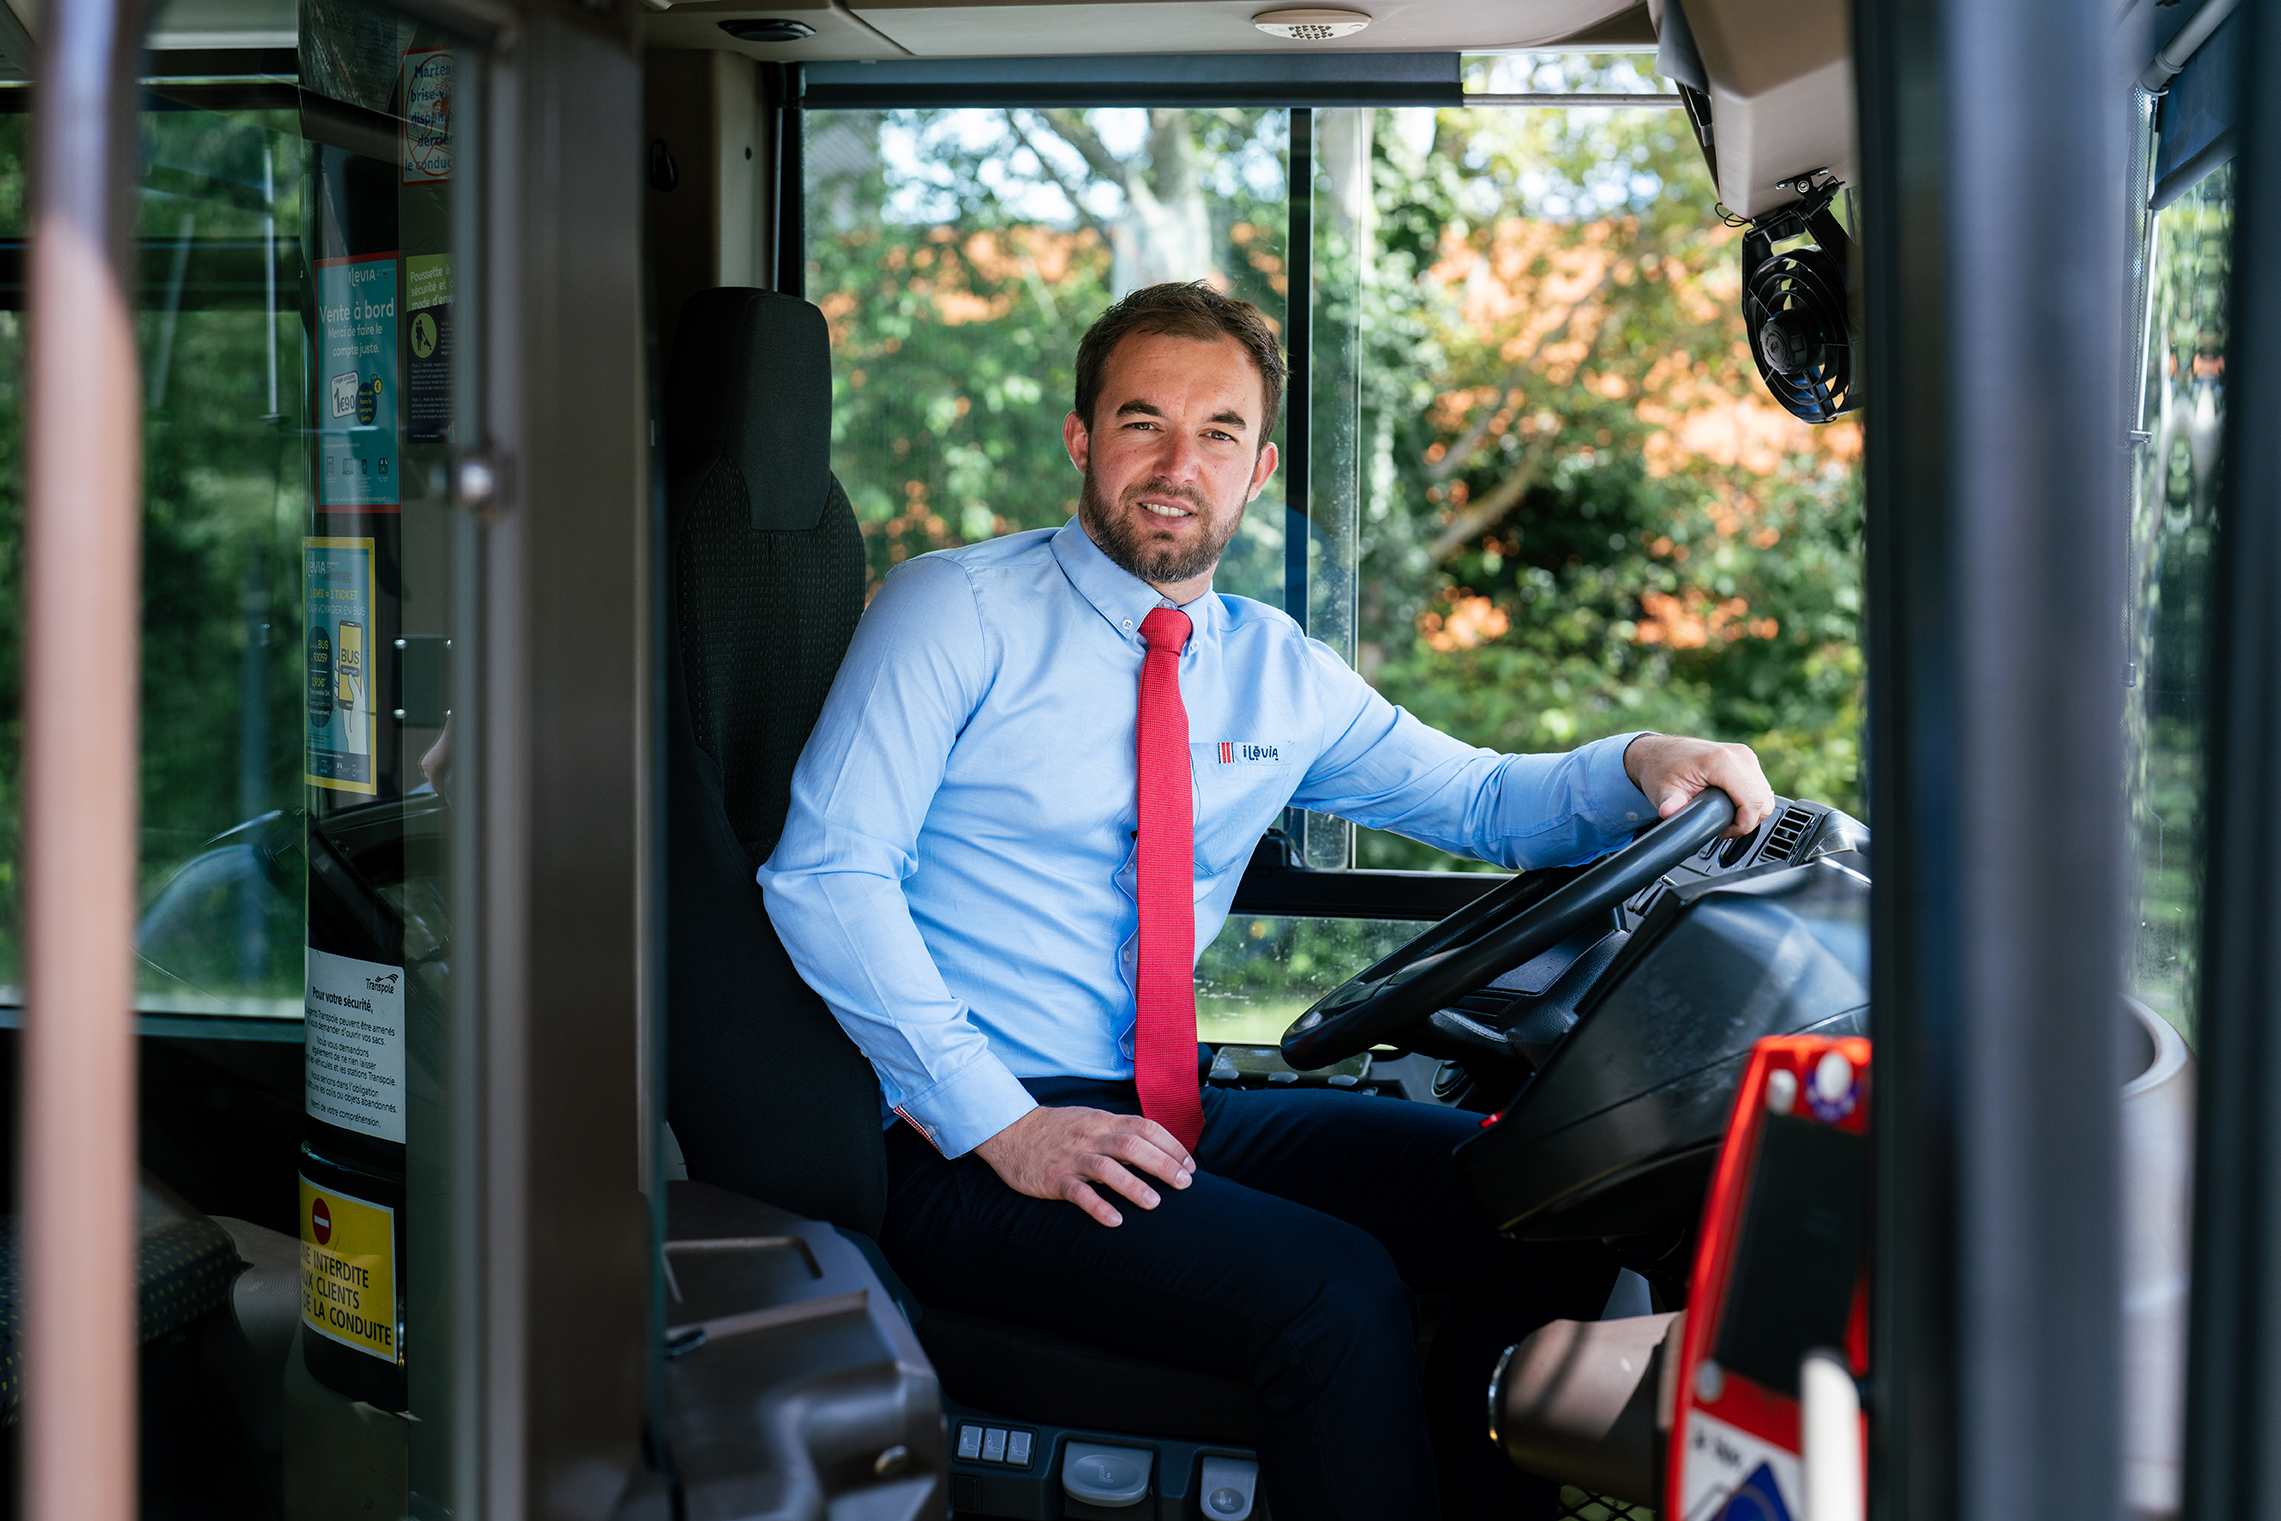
1728, 1473
355, 1052
427, 380
358, 465
427, 115
348, 1270
336, 580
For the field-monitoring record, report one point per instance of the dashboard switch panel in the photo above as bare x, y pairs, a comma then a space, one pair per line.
1229, 1487
1110, 1477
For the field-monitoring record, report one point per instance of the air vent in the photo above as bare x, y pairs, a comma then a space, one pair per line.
1783, 840
772, 30
1311, 24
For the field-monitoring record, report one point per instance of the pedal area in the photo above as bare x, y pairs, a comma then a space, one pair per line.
1027, 1471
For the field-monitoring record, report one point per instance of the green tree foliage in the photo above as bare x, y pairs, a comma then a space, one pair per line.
1579, 511
2176, 486
1586, 516
959, 256
222, 490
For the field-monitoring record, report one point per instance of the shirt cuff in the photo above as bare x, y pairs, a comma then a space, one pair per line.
1612, 802
968, 1107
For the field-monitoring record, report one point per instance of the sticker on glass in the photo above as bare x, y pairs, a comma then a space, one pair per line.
358, 465
337, 586
427, 115
348, 1270
427, 340
354, 1067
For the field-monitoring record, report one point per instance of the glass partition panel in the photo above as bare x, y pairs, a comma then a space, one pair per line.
295, 241
1264, 970
220, 265
1581, 511
2175, 492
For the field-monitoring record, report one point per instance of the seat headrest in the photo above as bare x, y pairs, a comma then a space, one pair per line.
750, 391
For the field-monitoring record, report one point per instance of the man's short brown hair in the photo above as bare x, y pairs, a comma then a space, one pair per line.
1193, 310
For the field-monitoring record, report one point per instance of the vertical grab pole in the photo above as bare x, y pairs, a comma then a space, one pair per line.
82, 528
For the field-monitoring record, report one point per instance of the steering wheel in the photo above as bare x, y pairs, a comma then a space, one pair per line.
1491, 935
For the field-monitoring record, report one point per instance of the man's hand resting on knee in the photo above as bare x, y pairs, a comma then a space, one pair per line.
1062, 1153
1671, 770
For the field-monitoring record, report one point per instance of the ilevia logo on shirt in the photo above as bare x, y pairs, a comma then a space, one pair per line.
1249, 752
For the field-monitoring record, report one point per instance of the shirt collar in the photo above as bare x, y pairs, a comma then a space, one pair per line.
1117, 594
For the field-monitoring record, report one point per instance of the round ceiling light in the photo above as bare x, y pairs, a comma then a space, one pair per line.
1310, 23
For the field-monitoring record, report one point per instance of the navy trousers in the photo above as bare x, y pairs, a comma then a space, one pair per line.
1290, 1261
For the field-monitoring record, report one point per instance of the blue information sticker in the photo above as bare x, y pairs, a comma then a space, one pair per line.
358, 459
336, 579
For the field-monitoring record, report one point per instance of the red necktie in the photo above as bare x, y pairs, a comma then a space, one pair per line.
1164, 1065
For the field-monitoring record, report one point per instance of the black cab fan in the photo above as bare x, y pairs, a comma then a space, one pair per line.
1794, 306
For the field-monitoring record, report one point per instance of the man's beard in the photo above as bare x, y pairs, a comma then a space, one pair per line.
1124, 538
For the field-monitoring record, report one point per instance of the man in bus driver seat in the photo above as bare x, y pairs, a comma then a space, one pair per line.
1025, 808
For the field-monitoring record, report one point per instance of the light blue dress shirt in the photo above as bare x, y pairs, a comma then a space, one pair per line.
956, 876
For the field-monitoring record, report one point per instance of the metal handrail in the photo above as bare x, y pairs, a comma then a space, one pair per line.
82, 575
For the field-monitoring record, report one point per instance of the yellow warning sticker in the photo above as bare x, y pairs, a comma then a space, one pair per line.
348, 1270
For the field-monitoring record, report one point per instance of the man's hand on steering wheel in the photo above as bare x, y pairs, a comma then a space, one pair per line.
1671, 770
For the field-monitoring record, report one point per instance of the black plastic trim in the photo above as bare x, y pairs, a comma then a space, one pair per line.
1160, 79
1303, 892
2233, 1377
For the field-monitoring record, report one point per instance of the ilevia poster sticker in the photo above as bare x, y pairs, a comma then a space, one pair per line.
426, 131
358, 463
348, 1270
337, 583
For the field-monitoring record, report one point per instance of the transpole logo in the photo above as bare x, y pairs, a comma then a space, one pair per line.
385, 984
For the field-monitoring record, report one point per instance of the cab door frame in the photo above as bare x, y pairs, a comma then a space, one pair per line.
1993, 219
555, 1240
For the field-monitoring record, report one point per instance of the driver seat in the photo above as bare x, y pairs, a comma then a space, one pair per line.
766, 1095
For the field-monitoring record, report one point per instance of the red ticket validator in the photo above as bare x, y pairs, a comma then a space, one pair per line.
1781, 1269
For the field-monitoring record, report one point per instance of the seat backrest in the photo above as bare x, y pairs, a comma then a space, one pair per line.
766, 1094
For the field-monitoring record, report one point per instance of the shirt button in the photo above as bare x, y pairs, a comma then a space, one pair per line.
1128, 623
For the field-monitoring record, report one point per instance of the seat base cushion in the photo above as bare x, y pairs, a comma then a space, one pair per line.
1037, 1375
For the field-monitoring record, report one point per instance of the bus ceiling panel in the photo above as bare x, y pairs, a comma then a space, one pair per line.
1781, 77
931, 29
832, 31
